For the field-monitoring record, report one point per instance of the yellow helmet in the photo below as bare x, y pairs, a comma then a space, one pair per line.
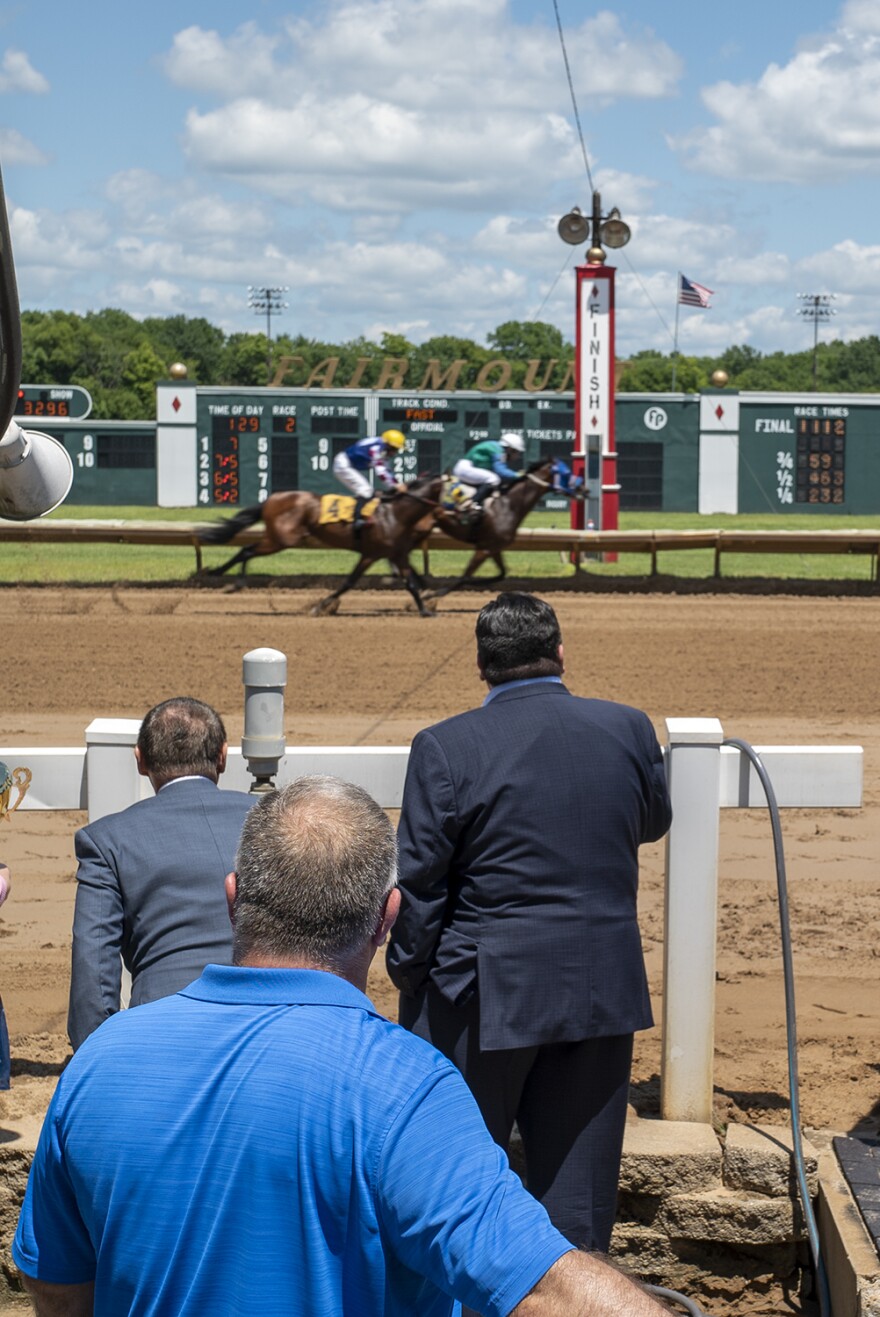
394, 438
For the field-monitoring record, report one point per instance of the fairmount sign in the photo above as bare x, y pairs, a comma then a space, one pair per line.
394, 373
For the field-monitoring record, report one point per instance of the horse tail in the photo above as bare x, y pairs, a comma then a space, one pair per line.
223, 531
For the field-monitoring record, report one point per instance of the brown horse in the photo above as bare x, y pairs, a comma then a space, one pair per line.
502, 515
290, 518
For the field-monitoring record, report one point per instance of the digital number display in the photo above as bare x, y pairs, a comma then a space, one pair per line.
284, 425
41, 403
225, 468
821, 460
419, 414
53, 401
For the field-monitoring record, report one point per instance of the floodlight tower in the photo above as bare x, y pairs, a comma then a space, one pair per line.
268, 301
595, 450
817, 306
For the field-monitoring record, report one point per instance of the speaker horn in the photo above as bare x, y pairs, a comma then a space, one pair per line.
36, 473
573, 227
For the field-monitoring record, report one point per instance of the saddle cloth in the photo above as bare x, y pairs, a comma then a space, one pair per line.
456, 494
339, 508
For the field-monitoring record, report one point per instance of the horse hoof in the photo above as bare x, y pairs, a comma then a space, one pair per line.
326, 608
429, 608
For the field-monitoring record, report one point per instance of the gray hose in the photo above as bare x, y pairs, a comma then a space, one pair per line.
672, 1296
790, 1023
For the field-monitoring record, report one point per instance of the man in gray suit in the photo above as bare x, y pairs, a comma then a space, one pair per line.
150, 883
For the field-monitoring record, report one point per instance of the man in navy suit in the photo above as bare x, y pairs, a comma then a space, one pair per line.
150, 882
517, 950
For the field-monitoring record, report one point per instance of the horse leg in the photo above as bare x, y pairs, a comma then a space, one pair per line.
476, 561
331, 602
243, 557
414, 584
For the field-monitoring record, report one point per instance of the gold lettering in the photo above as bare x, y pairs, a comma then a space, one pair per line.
567, 379
393, 371
323, 374
532, 368
360, 368
436, 378
284, 365
487, 385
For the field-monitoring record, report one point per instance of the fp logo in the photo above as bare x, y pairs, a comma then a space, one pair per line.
655, 418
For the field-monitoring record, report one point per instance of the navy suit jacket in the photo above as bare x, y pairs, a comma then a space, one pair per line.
150, 888
519, 837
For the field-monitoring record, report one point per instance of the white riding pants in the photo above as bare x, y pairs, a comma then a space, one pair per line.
355, 481
474, 475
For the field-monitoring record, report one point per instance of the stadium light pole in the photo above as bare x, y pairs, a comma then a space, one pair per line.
268, 302
817, 306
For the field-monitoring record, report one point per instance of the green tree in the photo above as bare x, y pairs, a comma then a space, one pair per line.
192, 340
244, 360
525, 340
141, 368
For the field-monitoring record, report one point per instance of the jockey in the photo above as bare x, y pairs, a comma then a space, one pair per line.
370, 454
486, 464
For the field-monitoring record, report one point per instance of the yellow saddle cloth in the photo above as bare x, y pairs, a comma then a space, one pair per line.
336, 508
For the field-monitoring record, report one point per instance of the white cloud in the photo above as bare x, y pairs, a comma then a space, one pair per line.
17, 74
848, 267
813, 119
204, 61
73, 240
15, 149
397, 105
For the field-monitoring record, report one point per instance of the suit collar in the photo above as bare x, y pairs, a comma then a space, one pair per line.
526, 690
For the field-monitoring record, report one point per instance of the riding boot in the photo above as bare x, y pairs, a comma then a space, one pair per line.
359, 519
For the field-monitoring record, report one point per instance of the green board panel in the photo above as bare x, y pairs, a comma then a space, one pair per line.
254, 442
113, 462
658, 445
808, 456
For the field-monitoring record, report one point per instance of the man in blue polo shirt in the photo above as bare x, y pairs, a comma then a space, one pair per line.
265, 1141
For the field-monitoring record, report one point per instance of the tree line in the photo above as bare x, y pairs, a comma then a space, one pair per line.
118, 359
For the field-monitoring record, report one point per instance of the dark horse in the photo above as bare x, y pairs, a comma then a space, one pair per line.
503, 513
290, 518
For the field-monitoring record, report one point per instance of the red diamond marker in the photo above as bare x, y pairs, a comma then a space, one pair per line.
176, 404
594, 422
719, 411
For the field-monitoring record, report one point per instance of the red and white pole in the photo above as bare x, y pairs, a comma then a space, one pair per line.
595, 454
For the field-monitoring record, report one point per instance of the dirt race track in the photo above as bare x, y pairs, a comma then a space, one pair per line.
779, 670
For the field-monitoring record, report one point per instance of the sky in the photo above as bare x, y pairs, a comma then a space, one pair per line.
401, 165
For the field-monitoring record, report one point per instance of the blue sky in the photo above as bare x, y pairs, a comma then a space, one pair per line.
401, 165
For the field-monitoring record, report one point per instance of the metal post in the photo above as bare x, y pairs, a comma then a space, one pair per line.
694, 769
264, 673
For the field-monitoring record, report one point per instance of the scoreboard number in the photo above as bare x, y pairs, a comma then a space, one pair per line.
821, 460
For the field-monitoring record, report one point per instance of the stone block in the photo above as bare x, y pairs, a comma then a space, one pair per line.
759, 1159
730, 1216
869, 1300
669, 1156
17, 1146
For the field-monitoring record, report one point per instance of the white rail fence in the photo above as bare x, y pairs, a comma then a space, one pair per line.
705, 777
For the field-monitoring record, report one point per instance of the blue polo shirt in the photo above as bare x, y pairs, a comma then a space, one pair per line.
265, 1141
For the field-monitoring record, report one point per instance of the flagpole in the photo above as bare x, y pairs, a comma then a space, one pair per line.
675, 339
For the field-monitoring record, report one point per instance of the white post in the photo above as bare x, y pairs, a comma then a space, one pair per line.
112, 779
693, 761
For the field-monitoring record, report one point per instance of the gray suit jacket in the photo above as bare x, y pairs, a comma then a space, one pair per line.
150, 889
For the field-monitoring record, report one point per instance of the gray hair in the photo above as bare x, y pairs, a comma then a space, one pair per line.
315, 863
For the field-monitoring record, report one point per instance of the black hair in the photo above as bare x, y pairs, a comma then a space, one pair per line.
518, 636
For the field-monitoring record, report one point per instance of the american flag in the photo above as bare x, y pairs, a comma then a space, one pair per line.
691, 294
